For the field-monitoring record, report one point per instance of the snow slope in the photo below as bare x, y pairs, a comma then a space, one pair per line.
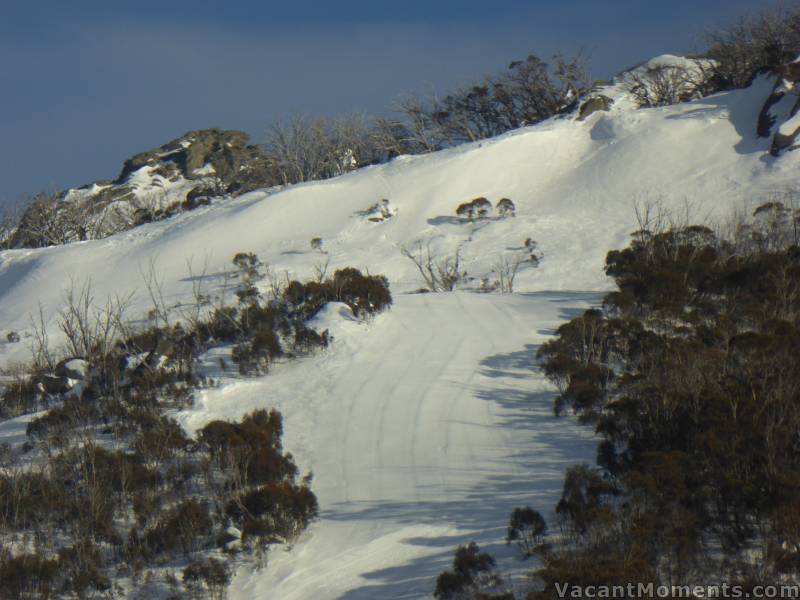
424, 427
574, 185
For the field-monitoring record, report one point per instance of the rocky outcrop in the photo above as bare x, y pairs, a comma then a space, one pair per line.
779, 117
181, 175
197, 154
594, 104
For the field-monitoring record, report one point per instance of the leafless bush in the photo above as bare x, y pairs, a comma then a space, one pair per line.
154, 286
529, 91
10, 215
276, 284
393, 137
193, 312
49, 220
764, 40
41, 353
773, 226
652, 218
665, 84
441, 274
304, 149
321, 269
91, 330
506, 268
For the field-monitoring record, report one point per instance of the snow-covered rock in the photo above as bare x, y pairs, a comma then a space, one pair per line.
152, 185
74, 368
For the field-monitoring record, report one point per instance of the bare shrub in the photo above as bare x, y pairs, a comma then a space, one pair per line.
765, 40
663, 85
20, 394
50, 220
321, 270
304, 149
41, 353
441, 274
529, 91
194, 312
506, 268
155, 290
91, 330
10, 215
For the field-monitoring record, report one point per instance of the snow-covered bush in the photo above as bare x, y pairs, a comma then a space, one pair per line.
380, 211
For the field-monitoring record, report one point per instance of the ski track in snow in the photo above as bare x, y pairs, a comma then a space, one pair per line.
424, 429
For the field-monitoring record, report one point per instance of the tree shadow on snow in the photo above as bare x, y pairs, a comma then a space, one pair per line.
511, 365
481, 512
539, 447
526, 474
446, 220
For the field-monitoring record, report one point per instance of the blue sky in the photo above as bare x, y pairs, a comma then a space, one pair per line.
87, 84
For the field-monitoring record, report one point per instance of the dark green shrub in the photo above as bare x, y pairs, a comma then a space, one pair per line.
185, 528
28, 575
211, 573
472, 570
527, 528
274, 511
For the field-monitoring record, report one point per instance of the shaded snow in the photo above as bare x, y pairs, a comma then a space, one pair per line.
424, 429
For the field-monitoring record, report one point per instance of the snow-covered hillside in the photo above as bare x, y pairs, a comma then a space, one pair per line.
574, 185
424, 430
427, 425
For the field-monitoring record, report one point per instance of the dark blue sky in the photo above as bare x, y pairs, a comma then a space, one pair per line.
86, 84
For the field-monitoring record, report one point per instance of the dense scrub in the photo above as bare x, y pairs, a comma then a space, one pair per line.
86, 514
109, 487
688, 372
689, 375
